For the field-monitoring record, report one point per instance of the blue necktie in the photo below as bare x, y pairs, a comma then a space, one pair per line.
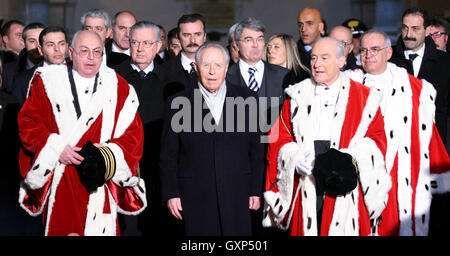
252, 84
142, 74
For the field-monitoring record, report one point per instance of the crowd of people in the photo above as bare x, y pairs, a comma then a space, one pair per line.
337, 133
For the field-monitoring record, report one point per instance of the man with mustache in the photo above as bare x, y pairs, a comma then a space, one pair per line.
432, 65
418, 55
178, 73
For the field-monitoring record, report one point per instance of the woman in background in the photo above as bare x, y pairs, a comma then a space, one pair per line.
281, 50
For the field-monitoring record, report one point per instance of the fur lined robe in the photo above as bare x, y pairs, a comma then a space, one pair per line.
48, 122
290, 199
416, 157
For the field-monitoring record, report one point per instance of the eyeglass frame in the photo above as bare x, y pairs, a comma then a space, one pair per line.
145, 43
249, 40
438, 34
83, 53
371, 50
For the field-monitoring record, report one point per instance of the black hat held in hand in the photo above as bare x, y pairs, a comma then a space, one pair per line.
335, 172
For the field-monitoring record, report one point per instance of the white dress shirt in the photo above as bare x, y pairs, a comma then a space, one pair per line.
259, 73
85, 87
114, 48
324, 108
417, 62
186, 63
147, 70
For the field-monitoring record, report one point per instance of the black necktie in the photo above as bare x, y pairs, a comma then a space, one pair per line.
142, 74
192, 69
412, 56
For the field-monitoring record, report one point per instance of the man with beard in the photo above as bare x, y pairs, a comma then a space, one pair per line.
178, 73
29, 57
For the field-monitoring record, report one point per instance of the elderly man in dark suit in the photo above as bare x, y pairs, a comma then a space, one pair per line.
139, 71
211, 168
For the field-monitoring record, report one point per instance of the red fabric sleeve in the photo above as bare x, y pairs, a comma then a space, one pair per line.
279, 135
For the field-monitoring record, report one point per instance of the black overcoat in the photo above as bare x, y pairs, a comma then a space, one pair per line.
214, 173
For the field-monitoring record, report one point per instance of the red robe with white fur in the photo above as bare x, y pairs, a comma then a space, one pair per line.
416, 157
48, 122
290, 199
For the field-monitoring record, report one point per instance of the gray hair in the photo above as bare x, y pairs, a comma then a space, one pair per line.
340, 48
231, 33
75, 36
387, 40
249, 23
146, 24
96, 13
212, 45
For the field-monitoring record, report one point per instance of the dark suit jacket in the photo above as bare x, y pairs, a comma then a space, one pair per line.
21, 84
113, 58
305, 57
11, 69
214, 173
174, 77
273, 84
435, 69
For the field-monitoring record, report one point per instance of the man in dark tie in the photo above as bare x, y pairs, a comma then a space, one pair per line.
264, 78
419, 56
139, 71
117, 49
432, 65
178, 73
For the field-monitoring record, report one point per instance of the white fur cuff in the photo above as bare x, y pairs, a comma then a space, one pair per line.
45, 162
440, 183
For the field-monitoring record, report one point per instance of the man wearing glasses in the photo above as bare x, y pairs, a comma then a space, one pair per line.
344, 35
438, 30
416, 157
418, 55
82, 139
140, 73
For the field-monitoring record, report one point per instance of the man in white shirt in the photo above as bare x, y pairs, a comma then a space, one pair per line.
98, 21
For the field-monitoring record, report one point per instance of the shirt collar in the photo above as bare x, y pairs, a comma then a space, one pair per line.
331, 90
186, 62
147, 70
420, 52
259, 66
114, 48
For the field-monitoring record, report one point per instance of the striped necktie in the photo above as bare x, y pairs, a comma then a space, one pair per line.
252, 84
192, 69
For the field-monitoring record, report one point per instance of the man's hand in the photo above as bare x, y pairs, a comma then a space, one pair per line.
174, 205
254, 202
70, 156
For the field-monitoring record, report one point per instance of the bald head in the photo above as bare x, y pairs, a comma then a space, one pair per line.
86, 53
310, 25
344, 35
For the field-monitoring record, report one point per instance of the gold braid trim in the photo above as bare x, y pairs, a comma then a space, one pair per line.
110, 162
284, 124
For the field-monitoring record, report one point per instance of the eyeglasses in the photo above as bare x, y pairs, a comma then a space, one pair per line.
146, 43
438, 34
374, 50
83, 52
346, 43
249, 40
